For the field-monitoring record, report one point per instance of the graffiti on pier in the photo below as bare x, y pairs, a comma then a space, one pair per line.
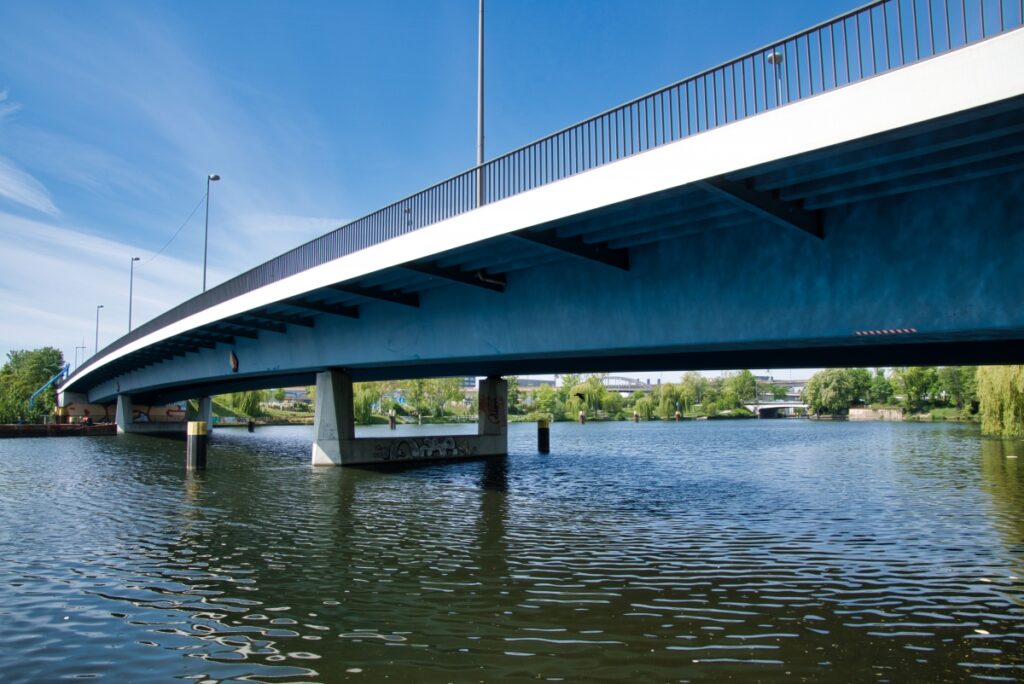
423, 448
494, 410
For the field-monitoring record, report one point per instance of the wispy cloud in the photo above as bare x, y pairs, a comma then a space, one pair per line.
148, 84
54, 276
63, 158
19, 187
7, 108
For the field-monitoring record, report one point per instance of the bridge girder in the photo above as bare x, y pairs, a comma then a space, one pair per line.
379, 294
577, 247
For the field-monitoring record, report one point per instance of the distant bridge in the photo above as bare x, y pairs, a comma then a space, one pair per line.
777, 407
624, 385
875, 158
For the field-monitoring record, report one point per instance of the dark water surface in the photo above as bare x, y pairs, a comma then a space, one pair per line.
745, 551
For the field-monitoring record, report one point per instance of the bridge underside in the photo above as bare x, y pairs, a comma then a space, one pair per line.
899, 249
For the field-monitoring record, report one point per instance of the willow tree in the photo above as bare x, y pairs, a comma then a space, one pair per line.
248, 403
1001, 394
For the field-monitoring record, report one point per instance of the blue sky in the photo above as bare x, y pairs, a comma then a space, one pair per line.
314, 113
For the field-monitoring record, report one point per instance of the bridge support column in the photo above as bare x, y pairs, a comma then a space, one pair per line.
206, 411
333, 421
123, 414
335, 443
492, 413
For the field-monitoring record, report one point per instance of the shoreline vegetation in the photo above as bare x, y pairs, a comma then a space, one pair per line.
990, 395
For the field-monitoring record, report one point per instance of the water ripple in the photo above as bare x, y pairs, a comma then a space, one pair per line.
698, 551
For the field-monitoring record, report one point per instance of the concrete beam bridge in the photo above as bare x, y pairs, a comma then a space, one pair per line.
873, 161
775, 409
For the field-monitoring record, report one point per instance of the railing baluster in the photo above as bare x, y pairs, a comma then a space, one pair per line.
963, 18
931, 27
945, 13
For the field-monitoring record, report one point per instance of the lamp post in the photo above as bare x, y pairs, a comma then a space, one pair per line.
480, 109
131, 285
96, 346
76, 353
206, 229
775, 59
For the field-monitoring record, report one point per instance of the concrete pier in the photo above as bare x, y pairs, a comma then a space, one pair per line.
334, 441
123, 415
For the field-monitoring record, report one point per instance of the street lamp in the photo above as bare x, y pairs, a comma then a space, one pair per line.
206, 230
775, 59
480, 108
96, 348
131, 284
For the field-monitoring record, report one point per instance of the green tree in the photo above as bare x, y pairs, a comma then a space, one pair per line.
860, 381
515, 396
546, 400
880, 390
830, 391
634, 397
692, 388
24, 372
567, 383
691, 391
917, 384
741, 387
666, 407
248, 403
429, 396
645, 408
1001, 397
613, 404
364, 396
959, 384
279, 395
714, 391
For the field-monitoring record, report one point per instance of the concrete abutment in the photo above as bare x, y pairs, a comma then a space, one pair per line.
335, 443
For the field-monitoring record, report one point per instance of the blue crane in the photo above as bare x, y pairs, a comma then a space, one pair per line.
59, 374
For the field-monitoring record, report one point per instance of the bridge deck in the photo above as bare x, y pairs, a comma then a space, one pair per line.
784, 171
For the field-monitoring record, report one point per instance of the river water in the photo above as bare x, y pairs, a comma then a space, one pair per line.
712, 551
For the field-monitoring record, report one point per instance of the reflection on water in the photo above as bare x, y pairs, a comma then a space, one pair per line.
655, 552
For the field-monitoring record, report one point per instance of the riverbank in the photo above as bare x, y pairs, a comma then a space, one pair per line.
55, 430
895, 414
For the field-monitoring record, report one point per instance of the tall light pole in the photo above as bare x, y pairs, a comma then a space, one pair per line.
206, 229
76, 353
775, 59
131, 284
96, 347
480, 109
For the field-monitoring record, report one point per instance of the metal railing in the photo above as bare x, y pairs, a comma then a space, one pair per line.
871, 40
